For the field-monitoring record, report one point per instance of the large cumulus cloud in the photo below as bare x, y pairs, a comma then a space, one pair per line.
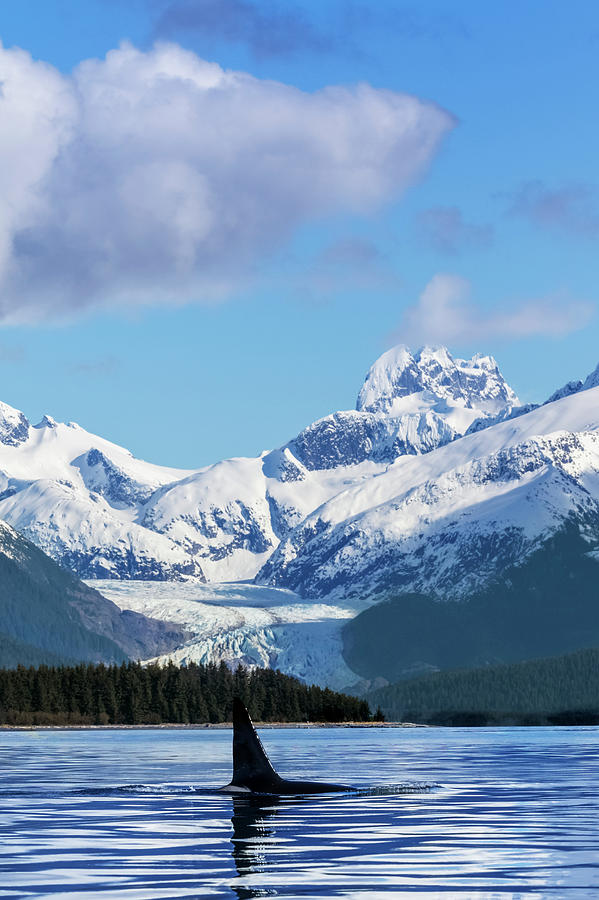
158, 177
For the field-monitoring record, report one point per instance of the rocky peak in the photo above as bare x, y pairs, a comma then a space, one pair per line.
592, 380
14, 427
573, 387
475, 383
46, 422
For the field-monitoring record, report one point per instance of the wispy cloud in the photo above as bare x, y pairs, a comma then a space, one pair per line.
352, 251
444, 229
446, 314
269, 31
571, 208
157, 177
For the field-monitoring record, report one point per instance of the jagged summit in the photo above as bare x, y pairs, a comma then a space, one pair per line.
591, 380
46, 422
14, 427
433, 372
410, 404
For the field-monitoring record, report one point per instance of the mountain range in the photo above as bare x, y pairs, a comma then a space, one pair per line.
102, 513
438, 482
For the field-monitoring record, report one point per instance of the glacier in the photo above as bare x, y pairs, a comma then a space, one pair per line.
244, 623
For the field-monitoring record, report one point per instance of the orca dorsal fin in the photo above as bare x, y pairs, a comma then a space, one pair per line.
251, 766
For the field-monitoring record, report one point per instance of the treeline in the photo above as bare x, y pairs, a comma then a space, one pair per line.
132, 694
560, 690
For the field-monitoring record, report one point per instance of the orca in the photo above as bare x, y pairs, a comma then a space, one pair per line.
252, 769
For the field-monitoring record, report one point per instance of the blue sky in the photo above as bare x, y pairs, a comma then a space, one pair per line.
297, 283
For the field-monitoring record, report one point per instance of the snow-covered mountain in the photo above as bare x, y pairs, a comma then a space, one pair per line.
446, 521
77, 497
432, 377
408, 404
104, 514
437, 481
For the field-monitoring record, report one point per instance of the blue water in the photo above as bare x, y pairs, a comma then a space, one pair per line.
125, 814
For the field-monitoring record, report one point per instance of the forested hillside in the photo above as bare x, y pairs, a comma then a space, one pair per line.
14, 652
547, 606
47, 615
557, 690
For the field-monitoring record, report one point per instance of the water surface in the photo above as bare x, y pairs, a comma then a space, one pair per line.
126, 814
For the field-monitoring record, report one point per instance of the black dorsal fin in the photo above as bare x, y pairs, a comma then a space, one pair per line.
251, 766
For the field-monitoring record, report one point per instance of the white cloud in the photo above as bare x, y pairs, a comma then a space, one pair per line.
446, 314
161, 178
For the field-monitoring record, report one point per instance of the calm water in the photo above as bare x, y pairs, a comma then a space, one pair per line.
103, 814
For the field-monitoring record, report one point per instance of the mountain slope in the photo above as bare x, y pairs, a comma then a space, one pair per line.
450, 519
545, 606
47, 614
15, 653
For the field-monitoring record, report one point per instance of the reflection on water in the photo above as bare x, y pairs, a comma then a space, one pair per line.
252, 834
126, 816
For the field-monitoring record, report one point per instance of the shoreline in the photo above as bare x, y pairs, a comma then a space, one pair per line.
220, 726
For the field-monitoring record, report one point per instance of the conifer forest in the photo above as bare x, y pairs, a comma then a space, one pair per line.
132, 694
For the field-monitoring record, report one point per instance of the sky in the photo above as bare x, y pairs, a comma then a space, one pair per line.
218, 213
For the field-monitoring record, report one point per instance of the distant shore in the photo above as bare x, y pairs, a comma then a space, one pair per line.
210, 725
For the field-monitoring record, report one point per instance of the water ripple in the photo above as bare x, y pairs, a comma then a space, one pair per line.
465, 813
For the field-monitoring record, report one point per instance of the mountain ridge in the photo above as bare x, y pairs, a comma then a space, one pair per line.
96, 509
